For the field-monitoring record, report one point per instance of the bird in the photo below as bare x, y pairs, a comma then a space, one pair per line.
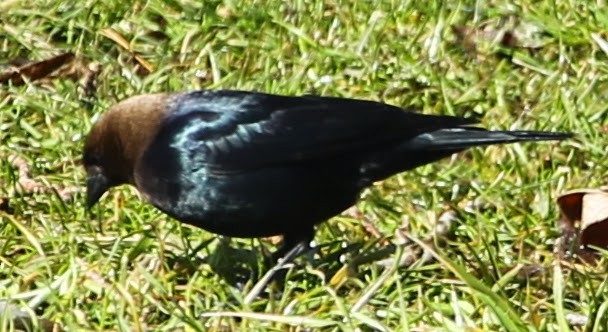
251, 164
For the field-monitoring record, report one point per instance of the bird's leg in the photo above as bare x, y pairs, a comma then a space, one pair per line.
293, 246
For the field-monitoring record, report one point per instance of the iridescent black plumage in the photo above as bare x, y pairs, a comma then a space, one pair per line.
249, 164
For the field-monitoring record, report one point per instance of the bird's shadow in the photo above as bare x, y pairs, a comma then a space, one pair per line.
229, 261
241, 265
237, 266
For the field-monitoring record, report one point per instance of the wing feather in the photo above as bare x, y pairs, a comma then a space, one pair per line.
238, 130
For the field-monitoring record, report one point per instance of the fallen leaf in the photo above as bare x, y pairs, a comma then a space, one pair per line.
79, 70
5, 206
33, 71
583, 223
122, 42
28, 185
65, 66
507, 31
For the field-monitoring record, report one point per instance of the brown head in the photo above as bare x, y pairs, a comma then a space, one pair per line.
118, 140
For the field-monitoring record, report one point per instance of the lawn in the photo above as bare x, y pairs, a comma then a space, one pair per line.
465, 244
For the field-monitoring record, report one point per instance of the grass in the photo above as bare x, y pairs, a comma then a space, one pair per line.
490, 214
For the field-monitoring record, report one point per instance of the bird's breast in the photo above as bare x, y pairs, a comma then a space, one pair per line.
261, 202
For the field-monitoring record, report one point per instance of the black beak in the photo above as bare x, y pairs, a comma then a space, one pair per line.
97, 185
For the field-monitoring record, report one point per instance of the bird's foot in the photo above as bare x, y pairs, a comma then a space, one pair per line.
281, 259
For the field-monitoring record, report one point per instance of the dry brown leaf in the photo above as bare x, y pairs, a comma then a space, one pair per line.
64, 66
84, 72
33, 71
122, 42
28, 185
508, 31
583, 223
117, 38
5, 206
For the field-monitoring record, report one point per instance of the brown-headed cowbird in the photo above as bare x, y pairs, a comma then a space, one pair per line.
248, 164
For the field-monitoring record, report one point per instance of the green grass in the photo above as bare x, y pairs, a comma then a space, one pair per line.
134, 269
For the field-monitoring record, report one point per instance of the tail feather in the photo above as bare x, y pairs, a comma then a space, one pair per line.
432, 146
465, 137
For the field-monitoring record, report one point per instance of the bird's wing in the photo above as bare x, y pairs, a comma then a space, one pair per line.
236, 130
